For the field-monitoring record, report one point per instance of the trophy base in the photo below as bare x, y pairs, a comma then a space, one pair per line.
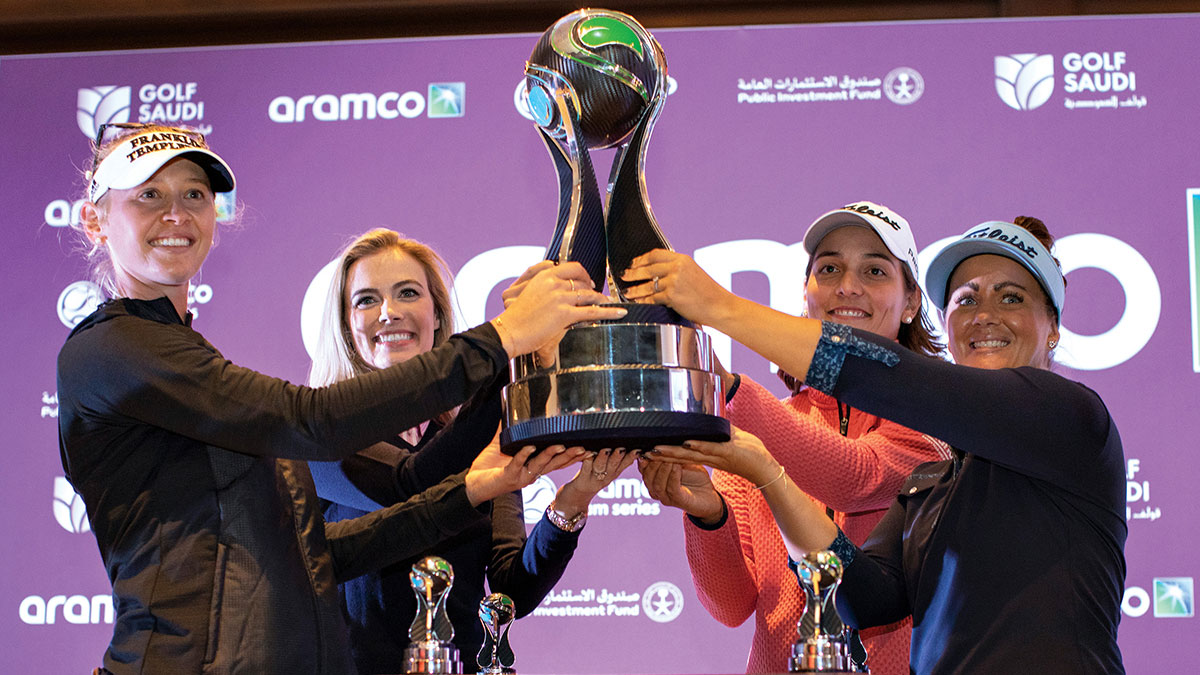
431, 657
632, 430
820, 655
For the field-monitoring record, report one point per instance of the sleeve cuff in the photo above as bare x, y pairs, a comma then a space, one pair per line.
836, 341
842, 547
715, 526
737, 382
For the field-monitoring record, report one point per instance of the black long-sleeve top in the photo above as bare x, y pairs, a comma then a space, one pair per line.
1011, 554
218, 556
381, 605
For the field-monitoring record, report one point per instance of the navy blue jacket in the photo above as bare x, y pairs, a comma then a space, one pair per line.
1011, 555
381, 605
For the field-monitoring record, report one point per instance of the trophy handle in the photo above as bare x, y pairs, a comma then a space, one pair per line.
500, 653
831, 622
630, 225
579, 229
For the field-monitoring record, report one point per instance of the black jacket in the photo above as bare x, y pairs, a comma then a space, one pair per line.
215, 546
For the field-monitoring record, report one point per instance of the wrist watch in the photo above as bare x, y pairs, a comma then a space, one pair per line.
564, 522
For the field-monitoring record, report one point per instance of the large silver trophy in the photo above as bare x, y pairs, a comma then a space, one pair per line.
824, 645
597, 79
496, 613
431, 649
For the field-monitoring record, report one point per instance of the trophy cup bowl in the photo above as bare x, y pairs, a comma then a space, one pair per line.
597, 79
642, 381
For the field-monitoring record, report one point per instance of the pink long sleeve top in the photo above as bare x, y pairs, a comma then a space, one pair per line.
740, 568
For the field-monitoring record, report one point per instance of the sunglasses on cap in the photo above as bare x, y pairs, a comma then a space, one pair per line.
114, 130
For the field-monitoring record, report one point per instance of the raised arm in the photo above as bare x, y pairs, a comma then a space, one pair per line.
1047, 440
859, 472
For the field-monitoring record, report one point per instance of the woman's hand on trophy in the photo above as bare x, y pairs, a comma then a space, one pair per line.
493, 473
742, 455
674, 279
596, 471
547, 353
551, 299
684, 486
514, 289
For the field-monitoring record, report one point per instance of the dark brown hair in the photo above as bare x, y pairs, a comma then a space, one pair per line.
917, 336
1042, 233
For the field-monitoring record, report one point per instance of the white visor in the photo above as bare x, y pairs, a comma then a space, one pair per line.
138, 157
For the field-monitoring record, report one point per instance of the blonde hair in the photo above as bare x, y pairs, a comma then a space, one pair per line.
336, 358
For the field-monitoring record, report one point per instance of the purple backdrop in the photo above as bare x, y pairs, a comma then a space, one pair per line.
1087, 123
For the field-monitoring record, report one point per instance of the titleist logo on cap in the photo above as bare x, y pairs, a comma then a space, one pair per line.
999, 235
865, 208
155, 142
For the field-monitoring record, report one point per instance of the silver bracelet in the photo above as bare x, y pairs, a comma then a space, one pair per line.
760, 487
563, 522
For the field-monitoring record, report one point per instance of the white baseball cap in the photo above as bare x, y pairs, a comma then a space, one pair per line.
138, 157
890, 226
997, 238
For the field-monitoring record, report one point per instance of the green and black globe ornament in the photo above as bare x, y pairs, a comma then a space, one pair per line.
597, 79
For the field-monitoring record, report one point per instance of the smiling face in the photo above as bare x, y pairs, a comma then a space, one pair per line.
389, 308
997, 315
855, 280
158, 233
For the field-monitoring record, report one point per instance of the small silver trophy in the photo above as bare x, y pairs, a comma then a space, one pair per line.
430, 649
597, 79
823, 645
496, 613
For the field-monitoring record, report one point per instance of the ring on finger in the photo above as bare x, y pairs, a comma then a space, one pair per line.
656, 289
600, 475
572, 284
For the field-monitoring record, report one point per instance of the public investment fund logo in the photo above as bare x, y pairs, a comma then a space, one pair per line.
662, 601
903, 86
1174, 597
69, 510
102, 105
1025, 81
447, 99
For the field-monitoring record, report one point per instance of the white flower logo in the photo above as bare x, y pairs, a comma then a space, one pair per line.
69, 509
1024, 81
101, 105
537, 496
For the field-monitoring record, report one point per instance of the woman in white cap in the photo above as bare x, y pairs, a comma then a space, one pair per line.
214, 544
1011, 553
389, 302
862, 272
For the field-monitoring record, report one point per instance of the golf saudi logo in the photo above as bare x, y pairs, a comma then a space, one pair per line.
1025, 81
69, 509
102, 105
